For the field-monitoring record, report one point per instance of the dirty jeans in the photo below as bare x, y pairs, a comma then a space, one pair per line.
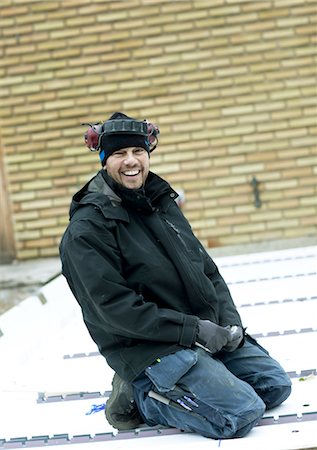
220, 396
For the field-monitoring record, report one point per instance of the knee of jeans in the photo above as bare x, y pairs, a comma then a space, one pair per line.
245, 421
276, 395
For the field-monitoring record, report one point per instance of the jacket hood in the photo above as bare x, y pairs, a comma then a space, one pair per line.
95, 192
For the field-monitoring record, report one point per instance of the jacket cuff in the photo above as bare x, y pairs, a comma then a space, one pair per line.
189, 331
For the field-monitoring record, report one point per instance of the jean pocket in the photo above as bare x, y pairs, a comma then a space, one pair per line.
166, 373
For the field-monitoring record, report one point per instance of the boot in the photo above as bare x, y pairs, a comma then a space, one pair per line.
121, 410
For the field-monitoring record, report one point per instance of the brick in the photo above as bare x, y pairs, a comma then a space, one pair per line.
289, 152
26, 68
237, 110
11, 81
306, 51
300, 213
247, 168
281, 185
44, 6
38, 243
245, 38
112, 16
286, 114
59, 104
50, 232
279, 165
303, 122
214, 62
291, 133
51, 251
272, 126
23, 217
310, 220
182, 107
28, 235
197, 75
258, 137
259, 25
146, 13
307, 29
249, 228
265, 67
27, 254
36, 185
295, 42
309, 231
261, 46
244, 148
93, 9
278, 54
231, 71
246, 59
176, 7
170, 80
309, 161
40, 223
218, 45
13, 10
299, 102
239, 130
63, 201
279, 202
308, 201
265, 216
26, 23
231, 180
285, 223
253, 118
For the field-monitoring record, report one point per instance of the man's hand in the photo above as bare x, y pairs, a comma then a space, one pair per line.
236, 336
212, 336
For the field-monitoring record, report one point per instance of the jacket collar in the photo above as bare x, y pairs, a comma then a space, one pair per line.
98, 193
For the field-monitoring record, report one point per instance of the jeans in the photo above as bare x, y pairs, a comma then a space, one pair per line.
218, 396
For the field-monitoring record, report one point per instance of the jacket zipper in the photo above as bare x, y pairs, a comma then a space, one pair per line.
191, 285
176, 231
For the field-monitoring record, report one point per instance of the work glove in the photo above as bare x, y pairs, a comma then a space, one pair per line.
237, 334
211, 336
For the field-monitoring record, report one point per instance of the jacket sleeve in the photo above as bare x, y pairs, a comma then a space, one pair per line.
228, 314
92, 265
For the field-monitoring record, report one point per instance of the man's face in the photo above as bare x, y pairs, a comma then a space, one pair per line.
129, 166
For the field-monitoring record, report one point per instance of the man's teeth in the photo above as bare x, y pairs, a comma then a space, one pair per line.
130, 173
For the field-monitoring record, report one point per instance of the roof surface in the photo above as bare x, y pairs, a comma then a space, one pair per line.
54, 383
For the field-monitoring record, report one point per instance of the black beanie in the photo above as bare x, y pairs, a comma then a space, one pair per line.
111, 142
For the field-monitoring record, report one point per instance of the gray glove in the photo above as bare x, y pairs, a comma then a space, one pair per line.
212, 336
236, 336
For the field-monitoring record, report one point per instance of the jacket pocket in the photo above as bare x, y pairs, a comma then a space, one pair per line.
166, 373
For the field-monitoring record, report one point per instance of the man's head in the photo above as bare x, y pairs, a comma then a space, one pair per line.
124, 146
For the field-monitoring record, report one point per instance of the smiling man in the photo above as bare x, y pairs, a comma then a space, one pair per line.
155, 303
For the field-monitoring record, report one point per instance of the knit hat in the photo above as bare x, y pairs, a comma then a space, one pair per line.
122, 132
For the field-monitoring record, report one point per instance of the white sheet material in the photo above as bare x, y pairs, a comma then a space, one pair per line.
37, 336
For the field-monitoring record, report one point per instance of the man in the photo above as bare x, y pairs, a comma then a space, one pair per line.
155, 303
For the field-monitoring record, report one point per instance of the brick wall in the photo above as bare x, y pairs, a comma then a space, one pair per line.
231, 83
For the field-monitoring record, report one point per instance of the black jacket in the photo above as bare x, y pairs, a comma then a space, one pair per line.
139, 274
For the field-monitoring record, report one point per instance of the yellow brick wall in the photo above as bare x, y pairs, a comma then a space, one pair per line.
231, 83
